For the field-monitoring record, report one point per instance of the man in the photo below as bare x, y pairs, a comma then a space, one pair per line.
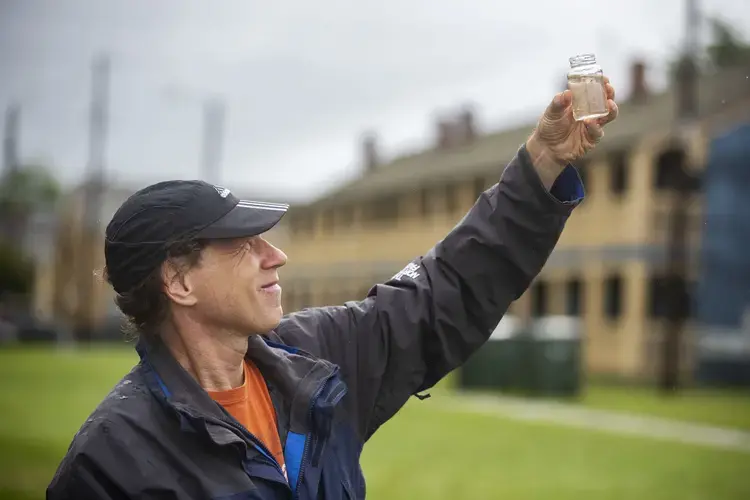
231, 400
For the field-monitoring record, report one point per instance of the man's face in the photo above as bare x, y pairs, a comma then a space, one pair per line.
235, 286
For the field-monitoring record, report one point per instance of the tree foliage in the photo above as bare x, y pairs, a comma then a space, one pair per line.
23, 192
28, 188
727, 48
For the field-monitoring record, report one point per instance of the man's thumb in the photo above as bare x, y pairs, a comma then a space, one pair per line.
558, 105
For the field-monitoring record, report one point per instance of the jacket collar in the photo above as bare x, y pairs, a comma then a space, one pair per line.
294, 375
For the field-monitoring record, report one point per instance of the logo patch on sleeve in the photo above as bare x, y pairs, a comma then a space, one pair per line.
410, 271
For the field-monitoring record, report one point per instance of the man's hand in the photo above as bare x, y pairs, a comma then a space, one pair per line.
559, 139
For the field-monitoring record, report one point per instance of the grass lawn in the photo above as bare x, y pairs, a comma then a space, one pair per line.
723, 408
714, 407
454, 455
424, 452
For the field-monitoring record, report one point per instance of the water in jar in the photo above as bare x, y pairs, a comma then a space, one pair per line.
586, 83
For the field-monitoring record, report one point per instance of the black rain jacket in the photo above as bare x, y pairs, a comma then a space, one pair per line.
335, 374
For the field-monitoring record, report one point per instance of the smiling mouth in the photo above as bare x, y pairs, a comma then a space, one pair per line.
271, 288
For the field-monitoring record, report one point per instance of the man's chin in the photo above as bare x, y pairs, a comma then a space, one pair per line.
271, 321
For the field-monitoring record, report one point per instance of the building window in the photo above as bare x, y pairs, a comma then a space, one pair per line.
573, 297
613, 299
383, 209
345, 217
424, 201
668, 167
451, 198
618, 170
670, 172
300, 223
539, 295
328, 222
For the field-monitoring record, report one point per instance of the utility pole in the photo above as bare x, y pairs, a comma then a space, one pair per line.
98, 116
10, 139
214, 119
11, 222
93, 187
681, 186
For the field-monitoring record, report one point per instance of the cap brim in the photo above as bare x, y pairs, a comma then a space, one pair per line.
247, 218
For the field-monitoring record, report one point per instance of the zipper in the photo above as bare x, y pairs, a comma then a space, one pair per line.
308, 439
253, 440
224, 422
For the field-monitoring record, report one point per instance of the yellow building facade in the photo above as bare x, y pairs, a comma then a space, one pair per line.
608, 262
69, 290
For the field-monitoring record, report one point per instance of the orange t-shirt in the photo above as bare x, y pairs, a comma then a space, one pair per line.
250, 404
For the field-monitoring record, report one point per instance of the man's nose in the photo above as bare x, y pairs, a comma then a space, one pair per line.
274, 257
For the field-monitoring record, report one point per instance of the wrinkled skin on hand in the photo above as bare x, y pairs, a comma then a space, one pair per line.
559, 139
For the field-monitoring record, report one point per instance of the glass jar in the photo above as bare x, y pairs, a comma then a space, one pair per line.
586, 82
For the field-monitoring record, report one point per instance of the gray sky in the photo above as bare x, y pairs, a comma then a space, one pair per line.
302, 79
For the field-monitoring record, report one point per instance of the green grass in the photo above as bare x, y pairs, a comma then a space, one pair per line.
45, 396
715, 407
722, 408
424, 452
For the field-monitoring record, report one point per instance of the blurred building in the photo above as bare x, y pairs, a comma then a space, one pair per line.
607, 266
69, 290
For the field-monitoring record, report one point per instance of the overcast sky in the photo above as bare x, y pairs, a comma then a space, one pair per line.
302, 79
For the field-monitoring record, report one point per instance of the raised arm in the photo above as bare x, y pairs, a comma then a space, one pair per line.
428, 319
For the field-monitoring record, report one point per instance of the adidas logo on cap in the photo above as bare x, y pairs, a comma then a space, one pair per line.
223, 192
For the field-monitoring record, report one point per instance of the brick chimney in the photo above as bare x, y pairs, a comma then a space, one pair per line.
638, 88
456, 131
467, 124
370, 157
445, 134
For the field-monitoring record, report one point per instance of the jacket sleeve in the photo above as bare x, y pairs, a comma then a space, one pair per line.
429, 318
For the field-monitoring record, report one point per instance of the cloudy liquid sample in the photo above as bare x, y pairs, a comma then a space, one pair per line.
589, 98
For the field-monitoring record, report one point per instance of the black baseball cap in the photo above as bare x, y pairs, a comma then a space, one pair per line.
137, 237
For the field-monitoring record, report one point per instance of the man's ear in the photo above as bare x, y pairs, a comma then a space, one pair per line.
177, 286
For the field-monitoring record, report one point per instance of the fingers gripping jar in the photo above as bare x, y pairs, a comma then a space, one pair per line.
586, 83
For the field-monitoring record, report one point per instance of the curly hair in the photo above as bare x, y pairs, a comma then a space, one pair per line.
146, 306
